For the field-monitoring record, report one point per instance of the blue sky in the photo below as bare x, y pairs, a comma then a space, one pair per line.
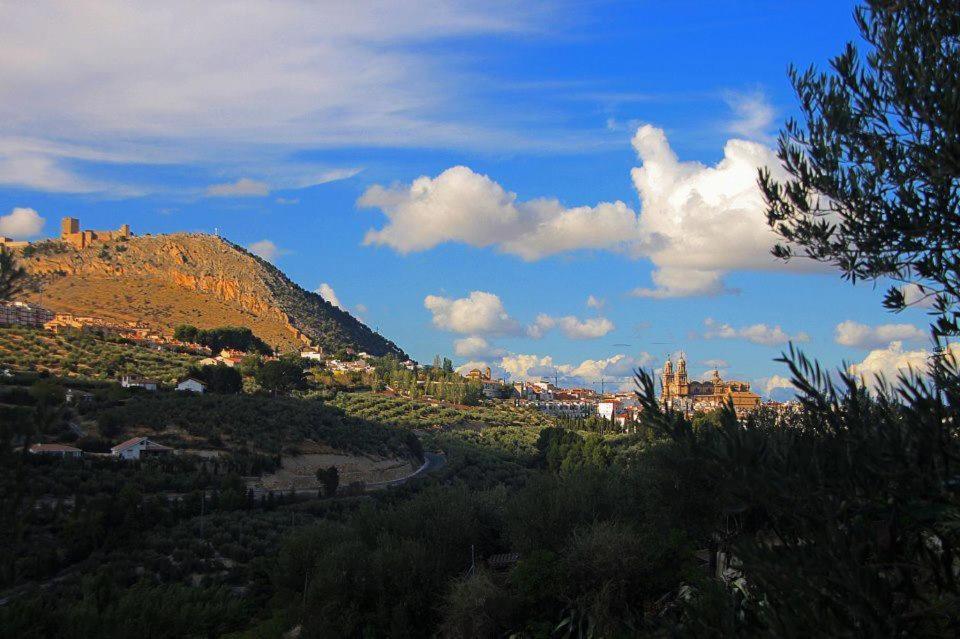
304, 129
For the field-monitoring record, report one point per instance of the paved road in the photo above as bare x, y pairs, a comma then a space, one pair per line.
432, 462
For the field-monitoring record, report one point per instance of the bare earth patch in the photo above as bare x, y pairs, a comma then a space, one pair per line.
300, 472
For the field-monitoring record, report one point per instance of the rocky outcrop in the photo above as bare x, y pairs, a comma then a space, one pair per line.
165, 280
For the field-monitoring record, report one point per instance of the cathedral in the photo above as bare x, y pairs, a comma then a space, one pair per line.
690, 397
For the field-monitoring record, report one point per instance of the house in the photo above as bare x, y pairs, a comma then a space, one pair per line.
56, 450
74, 396
129, 381
208, 361
139, 447
192, 385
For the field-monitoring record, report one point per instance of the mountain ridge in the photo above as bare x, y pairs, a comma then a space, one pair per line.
191, 278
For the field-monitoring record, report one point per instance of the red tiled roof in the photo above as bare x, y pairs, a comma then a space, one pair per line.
136, 440
127, 444
41, 448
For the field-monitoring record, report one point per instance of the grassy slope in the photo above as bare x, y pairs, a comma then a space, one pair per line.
86, 357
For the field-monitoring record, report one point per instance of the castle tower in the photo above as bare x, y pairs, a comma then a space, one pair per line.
69, 226
486, 372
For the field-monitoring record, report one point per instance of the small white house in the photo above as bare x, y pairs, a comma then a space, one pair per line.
129, 381
192, 385
139, 447
56, 450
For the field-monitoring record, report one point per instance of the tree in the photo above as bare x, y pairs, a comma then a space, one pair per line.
219, 378
12, 276
875, 166
279, 377
329, 479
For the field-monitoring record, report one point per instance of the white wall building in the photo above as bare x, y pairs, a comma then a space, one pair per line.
139, 447
192, 385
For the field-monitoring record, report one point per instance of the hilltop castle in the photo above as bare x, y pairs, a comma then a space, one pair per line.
681, 394
70, 232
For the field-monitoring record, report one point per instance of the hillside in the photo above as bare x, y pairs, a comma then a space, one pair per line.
203, 280
86, 356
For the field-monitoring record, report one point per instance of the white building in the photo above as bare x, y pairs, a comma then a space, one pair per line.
608, 409
139, 447
56, 450
128, 381
192, 385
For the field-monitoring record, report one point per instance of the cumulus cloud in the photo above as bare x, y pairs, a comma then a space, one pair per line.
753, 115
266, 249
460, 205
480, 313
244, 187
700, 222
475, 346
520, 366
596, 302
21, 223
889, 362
696, 224
326, 292
755, 333
851, 333
572, 327
776, 387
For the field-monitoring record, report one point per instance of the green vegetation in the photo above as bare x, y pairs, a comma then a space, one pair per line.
837, 520
237, 338
219, 378
255, 423
402, 411
85, 356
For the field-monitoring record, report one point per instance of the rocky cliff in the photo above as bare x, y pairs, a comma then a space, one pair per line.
203, 280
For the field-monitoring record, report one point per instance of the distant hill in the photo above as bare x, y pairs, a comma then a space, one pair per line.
203, 280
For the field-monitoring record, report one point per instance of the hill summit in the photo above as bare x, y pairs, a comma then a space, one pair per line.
186, 278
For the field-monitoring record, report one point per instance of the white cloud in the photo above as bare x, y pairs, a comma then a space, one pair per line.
244, 187
476, 347
572, 327
753, 115
617, 367
462, 206
755, 333
541, 326
596, 302
288, 201
776, 382
326, 292
217, 82
889, 362
697, 222
21, 223
715, 363
266, 249
361, 309
480, 313
850, 333
918, 296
